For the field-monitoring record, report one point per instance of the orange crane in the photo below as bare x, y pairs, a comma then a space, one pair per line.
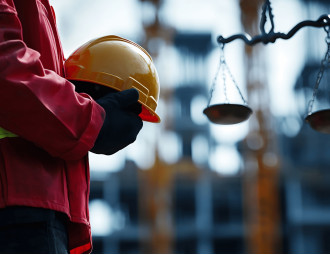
261, 176
155, 184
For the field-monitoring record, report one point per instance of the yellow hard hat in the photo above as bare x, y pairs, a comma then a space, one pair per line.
120, 64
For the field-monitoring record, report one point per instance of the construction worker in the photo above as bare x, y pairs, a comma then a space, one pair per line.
47, 129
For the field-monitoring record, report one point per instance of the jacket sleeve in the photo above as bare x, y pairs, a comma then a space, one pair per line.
37, 104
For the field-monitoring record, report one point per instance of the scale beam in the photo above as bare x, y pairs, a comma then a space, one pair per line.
271, 37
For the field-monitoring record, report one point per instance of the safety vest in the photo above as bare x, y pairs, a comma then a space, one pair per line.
5, 133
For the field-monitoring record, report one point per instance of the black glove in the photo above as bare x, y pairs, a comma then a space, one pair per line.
122, 123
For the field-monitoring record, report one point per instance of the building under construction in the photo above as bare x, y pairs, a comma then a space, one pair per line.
275, 195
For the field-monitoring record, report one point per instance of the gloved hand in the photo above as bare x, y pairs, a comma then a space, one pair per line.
122, 123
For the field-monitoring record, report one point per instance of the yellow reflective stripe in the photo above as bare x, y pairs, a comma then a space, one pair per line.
4, 133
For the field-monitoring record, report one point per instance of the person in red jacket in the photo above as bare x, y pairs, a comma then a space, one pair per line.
46, 131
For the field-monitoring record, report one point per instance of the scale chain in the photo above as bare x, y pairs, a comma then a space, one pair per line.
215, 78
325, 61
224, 67
235, 83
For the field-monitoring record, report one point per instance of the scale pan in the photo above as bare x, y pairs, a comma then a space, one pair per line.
320, 121
227, 114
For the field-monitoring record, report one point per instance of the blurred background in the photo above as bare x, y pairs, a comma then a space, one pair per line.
189, 186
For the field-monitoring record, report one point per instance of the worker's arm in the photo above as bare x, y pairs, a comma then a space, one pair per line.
37, 104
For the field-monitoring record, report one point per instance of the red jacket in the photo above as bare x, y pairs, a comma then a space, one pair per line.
46, 165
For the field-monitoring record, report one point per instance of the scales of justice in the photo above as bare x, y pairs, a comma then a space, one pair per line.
227, 113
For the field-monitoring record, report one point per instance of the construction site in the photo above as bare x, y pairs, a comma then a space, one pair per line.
191, 185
